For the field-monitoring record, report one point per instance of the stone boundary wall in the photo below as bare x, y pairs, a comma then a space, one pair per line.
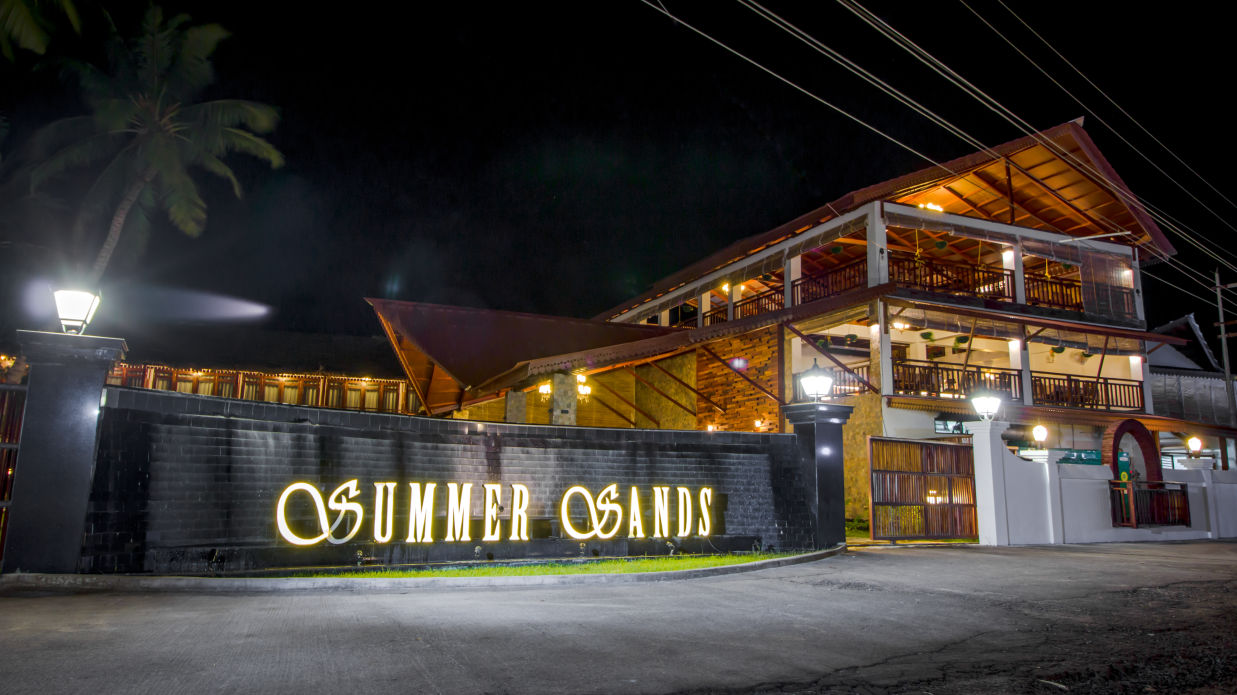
189, 483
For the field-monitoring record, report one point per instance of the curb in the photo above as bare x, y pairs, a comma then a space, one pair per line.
72, 583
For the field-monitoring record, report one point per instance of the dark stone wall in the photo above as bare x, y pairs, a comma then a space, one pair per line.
190, 484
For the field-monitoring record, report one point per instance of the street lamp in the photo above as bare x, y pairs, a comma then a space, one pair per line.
76, 309
817, 382
986, 403
1040, 434
1195, 445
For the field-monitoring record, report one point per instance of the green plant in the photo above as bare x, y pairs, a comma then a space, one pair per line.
927, 335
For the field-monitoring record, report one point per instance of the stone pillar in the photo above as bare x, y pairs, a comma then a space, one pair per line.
516, 405
564, 399
990, 511
818, 427
55, 462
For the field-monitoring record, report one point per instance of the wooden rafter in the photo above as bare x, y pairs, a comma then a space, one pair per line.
991, 187
626, 402
745, 377
663, 394
614, 410
687, 386
828, 355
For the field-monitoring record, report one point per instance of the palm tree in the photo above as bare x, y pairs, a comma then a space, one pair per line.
22, 23
146, 130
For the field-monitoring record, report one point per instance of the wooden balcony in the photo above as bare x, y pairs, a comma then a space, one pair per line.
932, 275
944, 380
1096, 393
851, 276
844, 383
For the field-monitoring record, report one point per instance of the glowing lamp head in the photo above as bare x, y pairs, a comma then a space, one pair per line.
545, 389
817, 382
986, 403
76, 309
1194, 444
1040, 434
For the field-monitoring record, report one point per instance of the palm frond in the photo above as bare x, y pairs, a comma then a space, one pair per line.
191, 71
178, 193
83, 152
229, 113
243, 141
57, 134
20, 23
216, 166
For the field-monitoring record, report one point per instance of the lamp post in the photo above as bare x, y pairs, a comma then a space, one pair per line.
986, 403
1195, 445
76, 309
817, 382
1040, 434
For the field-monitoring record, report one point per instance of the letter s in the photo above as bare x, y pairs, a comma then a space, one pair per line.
337, 502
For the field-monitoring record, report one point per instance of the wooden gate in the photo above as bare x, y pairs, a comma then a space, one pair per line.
921, 490
12, 406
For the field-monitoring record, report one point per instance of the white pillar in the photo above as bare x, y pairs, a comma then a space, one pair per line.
878, 250
705, 304
879, 336
1138, 371
663, 319
791, 271
1020, 359
990, 511
1014, 263
732, 296
1138, 288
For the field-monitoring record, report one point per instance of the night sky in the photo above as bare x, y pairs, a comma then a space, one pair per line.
560, 157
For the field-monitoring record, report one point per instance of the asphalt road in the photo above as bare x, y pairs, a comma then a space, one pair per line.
939, 620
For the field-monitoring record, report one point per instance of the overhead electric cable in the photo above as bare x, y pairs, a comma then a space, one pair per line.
992, 104
1112, 101
1091, 112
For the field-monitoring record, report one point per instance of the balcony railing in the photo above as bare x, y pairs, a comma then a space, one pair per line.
1054, 292
851, 276
951, 278
715, 317
1100, 393
769, 300
945, 380
1144, 503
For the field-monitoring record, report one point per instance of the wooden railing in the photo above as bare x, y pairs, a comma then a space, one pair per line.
951, 278
715, 317
851, 276
945, 380
1100, 393
1145, 503
769, 300
1054, 292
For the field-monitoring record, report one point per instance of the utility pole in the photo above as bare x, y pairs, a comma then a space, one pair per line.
1228, 377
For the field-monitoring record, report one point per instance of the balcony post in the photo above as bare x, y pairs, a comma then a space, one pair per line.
1138, 289
879, 336
706, 304
1020, 280
1138, 370
731, 296
1020, 359
663, 319
792, 270
878, 247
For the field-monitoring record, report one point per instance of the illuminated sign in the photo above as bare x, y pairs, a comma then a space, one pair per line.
605, 512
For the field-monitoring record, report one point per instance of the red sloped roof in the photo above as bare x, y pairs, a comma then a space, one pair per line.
445, 350
1042, 180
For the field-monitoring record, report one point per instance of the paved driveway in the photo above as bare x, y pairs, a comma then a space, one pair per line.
914, 620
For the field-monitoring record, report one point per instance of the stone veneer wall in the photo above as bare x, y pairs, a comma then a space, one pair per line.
744, 403
190, 483
866, 420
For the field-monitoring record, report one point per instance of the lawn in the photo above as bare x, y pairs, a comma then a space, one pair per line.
608, 566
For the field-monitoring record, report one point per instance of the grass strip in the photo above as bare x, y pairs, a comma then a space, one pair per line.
614, 566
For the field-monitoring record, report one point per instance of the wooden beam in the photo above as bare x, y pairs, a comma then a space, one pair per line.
992, 187
970, 347
831, 358
745, 377
659, 392
614, 410
1074, 208
689, 387
633, 406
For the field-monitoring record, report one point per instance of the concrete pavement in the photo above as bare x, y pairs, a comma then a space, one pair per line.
888, 617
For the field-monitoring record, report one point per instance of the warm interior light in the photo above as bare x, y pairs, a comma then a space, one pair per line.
931, 206
711, 428
584, 389
901, 326
580, 378
1039, 433
759, 423
726, 287
1194, 444
1007, 256
817, 382
76, 309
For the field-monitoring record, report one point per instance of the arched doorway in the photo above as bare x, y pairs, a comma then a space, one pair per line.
1111, 447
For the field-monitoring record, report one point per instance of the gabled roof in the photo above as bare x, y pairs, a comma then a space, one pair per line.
1194, 354
1049, 192
447, 350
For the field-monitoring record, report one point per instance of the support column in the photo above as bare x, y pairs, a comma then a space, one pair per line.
1138, 370
563, 400
1138, 288
1014, 263
878, 246
663, 319
1020, 359
792, 270
515, 407
879, 335
818, 428
990, 511
732, 295
55, 462
705, 304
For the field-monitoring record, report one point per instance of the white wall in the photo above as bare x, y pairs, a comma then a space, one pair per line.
1021, 502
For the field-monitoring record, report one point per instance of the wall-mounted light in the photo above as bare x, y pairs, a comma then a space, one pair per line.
759, 423
901, 325
545, 391
726, 288
76, 309
1195, 445
931, 206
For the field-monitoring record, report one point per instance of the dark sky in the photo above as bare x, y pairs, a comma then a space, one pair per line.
559, 157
